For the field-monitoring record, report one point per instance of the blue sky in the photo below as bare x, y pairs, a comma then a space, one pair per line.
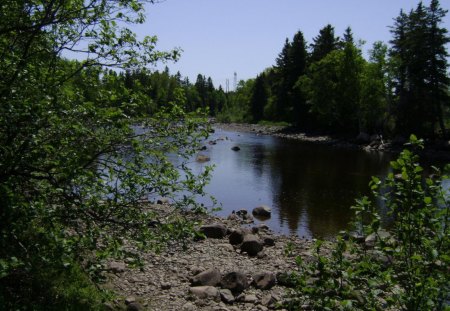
220, 37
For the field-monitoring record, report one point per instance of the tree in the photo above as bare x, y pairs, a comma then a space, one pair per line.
324, 43
419, 57
374, 91
259, 98
75, 166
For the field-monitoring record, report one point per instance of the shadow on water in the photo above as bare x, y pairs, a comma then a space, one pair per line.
310, 187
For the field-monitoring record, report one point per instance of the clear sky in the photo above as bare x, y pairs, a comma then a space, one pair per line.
220, 37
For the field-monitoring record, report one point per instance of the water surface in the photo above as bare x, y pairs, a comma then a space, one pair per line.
310, 187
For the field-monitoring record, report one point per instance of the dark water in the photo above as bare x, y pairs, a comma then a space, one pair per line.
310, 187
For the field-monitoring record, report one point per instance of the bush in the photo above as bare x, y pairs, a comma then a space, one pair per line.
403, 265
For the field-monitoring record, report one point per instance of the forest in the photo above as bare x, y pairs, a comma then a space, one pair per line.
328, 86
83, 142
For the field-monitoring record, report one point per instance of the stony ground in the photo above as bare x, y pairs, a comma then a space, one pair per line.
167, 280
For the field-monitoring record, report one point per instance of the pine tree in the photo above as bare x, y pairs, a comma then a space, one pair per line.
324, 43
259, 98
421, 81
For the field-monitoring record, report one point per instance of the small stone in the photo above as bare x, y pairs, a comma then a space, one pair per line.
202, 158
265, 280
250, 299
162, 201
267, 300
268, 240
227, 247
165, 286
129, 300
209, 277
135, 306
189, 306
226, 296
204, 292
262, 211
117, 267
235, 148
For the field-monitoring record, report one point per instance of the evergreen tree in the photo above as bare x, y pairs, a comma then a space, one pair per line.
324, 43
259, 98
419, 57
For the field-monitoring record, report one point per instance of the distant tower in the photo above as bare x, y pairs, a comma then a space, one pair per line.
235, 81
227, 85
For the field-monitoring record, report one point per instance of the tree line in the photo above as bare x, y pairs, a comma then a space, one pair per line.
329, 86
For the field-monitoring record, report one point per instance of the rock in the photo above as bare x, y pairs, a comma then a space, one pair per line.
129, 300
189, 306
235, 148
267, 300
268, 240
135, 306
251, 244
262, 211
235, 282
233, 216
265, 280
165, 286
203, 148
236, 237
242, 212
227, 247
248, 298
226, 295
202, 158
162, 201
215, 231
117, 267
204, 292
209, 277
371, 239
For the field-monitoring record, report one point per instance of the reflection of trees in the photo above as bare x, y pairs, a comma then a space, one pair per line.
321, 182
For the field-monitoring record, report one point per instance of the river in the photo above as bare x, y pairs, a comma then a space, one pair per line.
310, 187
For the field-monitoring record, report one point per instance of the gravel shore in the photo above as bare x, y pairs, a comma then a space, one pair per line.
165, 282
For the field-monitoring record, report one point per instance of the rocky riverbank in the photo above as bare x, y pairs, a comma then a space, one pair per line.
436, 150
236, 267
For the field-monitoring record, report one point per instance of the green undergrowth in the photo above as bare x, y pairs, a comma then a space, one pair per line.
403, 266
51, 289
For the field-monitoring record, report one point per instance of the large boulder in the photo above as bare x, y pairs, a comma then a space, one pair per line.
210, 277
251, 244
262, 211
215, 231
235, 281
264, 280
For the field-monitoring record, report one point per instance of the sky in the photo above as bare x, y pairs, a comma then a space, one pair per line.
221, 37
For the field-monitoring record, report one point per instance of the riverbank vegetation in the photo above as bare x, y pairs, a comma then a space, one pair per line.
401, 265
79, 151
329, 86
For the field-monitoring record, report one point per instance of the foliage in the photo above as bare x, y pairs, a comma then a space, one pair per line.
399, 90
78, 152
405, 268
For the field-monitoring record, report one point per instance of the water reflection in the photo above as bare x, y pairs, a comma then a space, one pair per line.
310, 187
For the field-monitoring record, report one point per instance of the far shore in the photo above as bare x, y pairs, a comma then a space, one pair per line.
434, 150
